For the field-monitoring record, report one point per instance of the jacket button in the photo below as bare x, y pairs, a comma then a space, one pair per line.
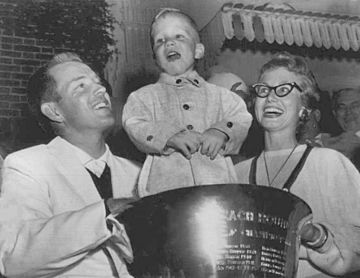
186, 106
189, 127
149, 138
229, 124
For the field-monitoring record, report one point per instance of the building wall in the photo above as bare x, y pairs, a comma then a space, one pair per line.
20, 56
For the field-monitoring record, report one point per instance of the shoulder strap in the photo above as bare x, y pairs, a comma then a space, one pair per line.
294, 174
252, 173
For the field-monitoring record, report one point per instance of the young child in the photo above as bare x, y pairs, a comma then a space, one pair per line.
185, 125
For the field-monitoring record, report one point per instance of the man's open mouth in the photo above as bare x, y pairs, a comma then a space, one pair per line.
102, 104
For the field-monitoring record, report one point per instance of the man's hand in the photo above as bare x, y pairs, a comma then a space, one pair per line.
213, 141
119, 205
187, 142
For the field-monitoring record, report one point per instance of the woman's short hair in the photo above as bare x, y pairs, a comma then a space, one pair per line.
295, 64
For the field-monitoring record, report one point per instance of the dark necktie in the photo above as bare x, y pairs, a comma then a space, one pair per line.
103, 184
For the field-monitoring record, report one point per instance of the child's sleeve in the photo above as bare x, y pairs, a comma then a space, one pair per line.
235, 122
148, 135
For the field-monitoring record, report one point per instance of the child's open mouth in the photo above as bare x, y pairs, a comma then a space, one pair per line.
172, 56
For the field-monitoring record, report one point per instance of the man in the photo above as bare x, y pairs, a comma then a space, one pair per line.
346, 109
54, 222
346, 105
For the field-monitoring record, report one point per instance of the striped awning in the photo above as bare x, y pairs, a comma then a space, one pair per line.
291, 27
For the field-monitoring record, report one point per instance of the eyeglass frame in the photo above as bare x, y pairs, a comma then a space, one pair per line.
274, 88
342, 108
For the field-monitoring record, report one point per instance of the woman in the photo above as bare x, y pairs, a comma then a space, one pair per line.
324, 178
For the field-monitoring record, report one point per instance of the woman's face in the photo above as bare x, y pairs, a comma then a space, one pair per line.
279, 113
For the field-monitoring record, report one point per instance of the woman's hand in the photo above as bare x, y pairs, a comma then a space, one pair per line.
314, 236
323, 252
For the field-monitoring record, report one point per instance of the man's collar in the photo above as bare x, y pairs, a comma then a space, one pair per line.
84, 157
192, 78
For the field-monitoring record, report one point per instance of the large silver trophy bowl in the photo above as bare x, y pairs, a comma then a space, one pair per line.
220, 231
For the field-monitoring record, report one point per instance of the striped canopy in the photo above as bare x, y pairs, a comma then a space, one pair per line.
291, 27
283, 25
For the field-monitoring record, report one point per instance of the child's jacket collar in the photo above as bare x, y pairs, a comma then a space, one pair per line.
191, 78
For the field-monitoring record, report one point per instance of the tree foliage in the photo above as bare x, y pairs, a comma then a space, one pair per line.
84, 26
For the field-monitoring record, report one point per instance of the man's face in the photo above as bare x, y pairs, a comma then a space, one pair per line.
175, 45
347, 110
84, 103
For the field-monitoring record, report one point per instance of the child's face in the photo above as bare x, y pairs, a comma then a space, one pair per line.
175, 45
